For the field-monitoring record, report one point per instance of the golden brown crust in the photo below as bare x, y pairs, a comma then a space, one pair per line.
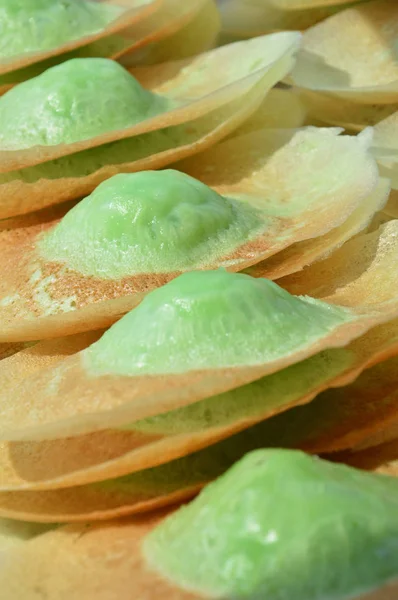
87, 561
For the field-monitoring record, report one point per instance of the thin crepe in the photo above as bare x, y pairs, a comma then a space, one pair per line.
391, 208
298, 256
143, 42
361, 273
152, 30
333, 62
50, 404
385, 147
379, 219
385, 136
341, 418
170, 17
302, 4
248, 169
195, 35
379, 437
85, 549
390, 468
7, 350
136, 493
280, 109
105, 454
79, 174
15, 533
22, 360
81, 559
196, 85
344, 113
383, 458
133, 11
250, 18
39, 217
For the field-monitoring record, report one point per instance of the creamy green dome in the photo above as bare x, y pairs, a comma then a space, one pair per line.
149, 222
76, 100
40, 25
210, 320
281, 525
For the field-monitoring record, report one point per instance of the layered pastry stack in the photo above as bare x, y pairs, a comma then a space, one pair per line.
198, 300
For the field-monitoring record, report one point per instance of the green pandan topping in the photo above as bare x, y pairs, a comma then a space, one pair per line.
257, 400
281, 525
211, 319
149, 222
77, 100
40, 25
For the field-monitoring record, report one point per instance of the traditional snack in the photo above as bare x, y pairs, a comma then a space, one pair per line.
249, 512
331, 61
60, 463
195, 335
51, 284
178, 347
34, 30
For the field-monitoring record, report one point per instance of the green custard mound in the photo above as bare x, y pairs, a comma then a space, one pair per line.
77, 100
149, 222
211, 319
281, 525
40, 25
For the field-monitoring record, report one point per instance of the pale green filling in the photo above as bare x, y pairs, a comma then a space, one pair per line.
123, 152
253, 401
40, 25
83, 164
281, 525
101, 48
301, 425
77, 100
149, 222
211, 319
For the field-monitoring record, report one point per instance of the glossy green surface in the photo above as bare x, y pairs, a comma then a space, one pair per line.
39, 25
281, 525
211, 319
77, 100
149, 222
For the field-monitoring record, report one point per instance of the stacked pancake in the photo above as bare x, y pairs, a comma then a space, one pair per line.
221, 333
